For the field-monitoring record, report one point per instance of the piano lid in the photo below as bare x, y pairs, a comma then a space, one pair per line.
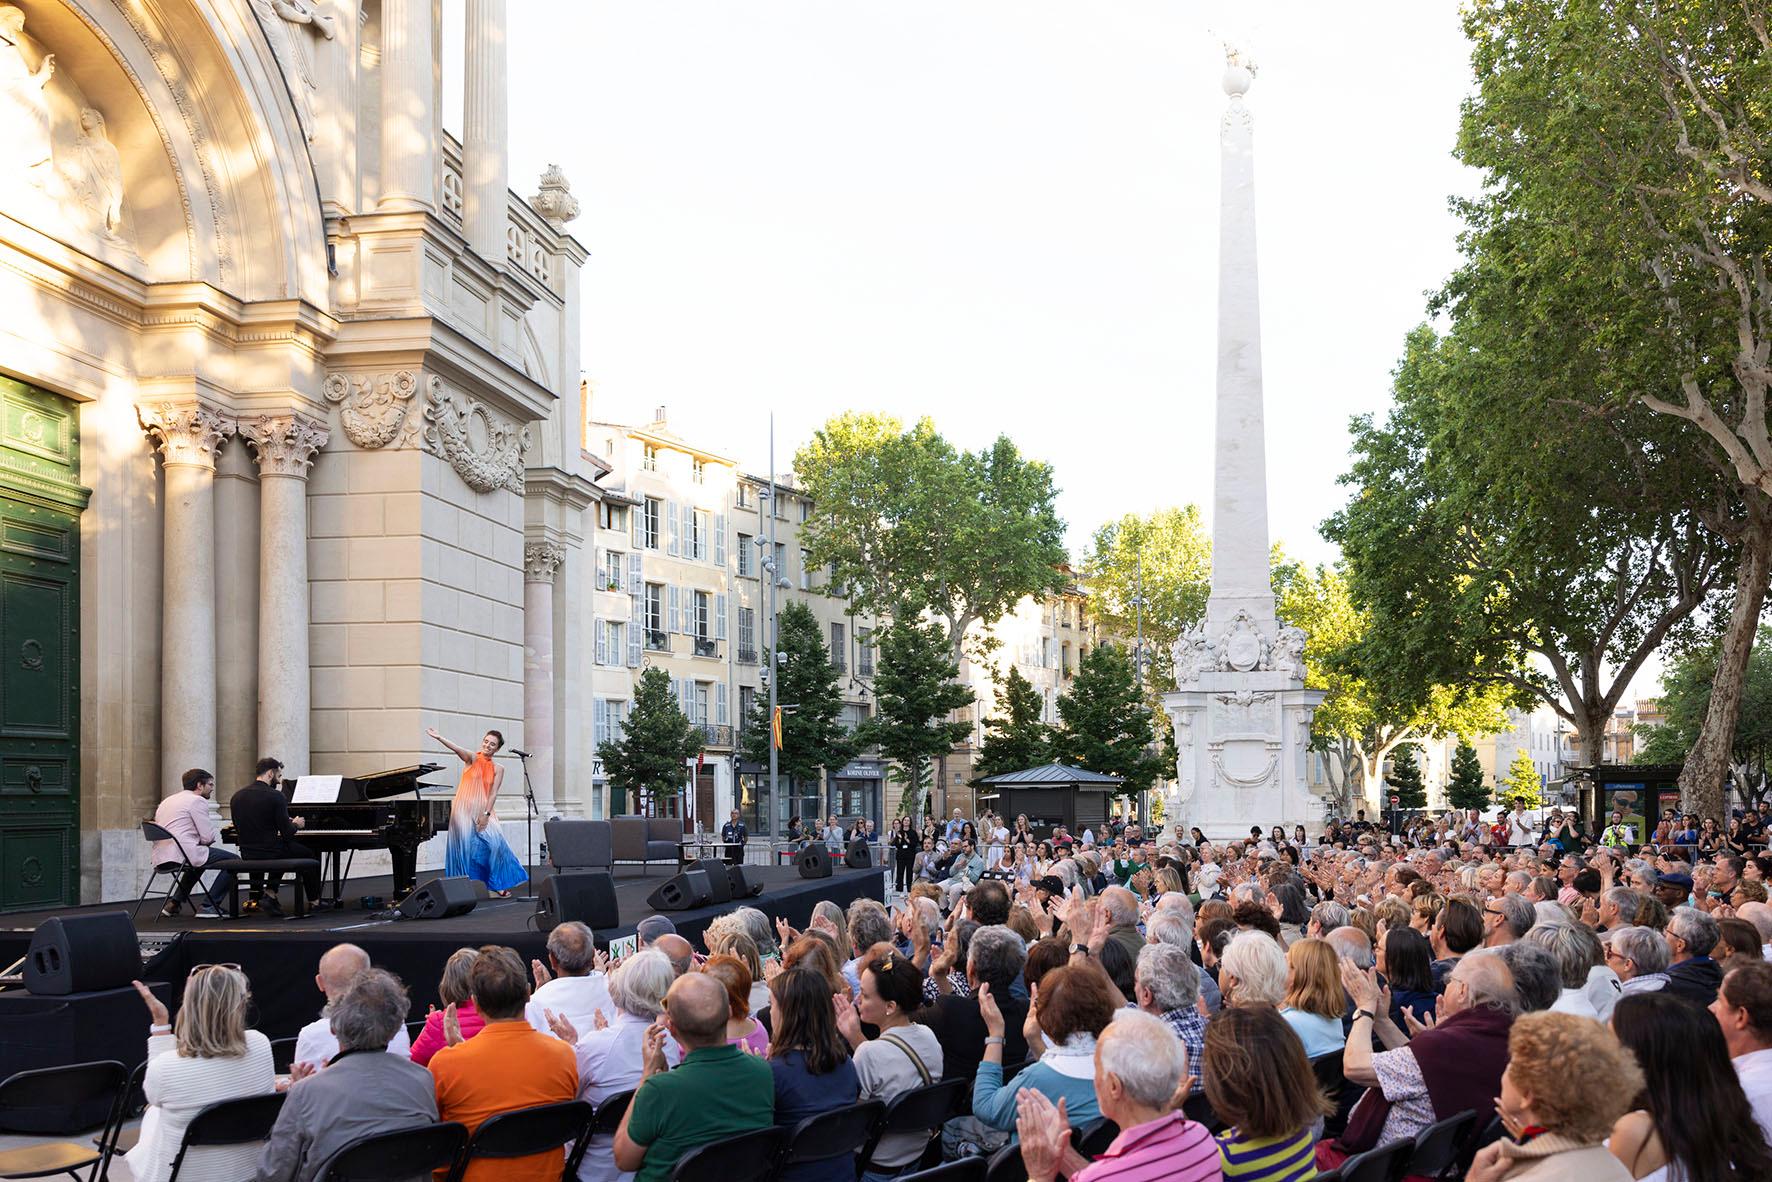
394, 781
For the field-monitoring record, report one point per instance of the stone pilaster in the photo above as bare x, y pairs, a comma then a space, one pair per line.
188, 433
485, 120
285, 446
541, 560
408, 106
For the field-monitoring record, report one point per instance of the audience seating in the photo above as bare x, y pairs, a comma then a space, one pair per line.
525, 1131
398, 1154
1481, 1135
748, 1157
644, 840
1198, 1108
1437, 1147
1006, 1165
283, 1054
830, 1134
241, 1121
68, 1088
1383, 1164
1335, 1085
923, 1109
604, 1122
967, 1169
153, 833
1093, 1139
116, 1139
578, 844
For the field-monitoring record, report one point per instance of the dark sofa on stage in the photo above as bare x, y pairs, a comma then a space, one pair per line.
645, 840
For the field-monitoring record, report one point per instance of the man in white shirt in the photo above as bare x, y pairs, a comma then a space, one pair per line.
1743, 1009
1519, 829
317, 1045
575, 988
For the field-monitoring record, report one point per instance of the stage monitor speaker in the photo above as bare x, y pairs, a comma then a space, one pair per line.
719, 882
689, 889
859, 856
576, 896
440, 898
814, 862
83, 954
742, 887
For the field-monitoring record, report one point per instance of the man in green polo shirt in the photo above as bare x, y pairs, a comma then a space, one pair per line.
717, 1092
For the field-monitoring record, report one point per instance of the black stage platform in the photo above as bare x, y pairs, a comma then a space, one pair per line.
280, 956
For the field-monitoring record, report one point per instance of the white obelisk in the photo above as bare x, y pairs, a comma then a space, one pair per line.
1241, 712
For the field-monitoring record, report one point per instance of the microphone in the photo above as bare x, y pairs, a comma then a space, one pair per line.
519, 754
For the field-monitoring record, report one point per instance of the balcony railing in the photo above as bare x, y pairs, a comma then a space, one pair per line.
747, 656
715, 735
658, 642
706, 647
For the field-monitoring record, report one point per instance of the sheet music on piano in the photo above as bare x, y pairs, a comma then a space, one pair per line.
316, 790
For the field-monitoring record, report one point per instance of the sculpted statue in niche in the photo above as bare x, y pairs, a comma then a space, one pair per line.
1289, 652
1194, 653
95, 176
25, 142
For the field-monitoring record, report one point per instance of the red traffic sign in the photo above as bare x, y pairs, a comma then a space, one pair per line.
1396, 800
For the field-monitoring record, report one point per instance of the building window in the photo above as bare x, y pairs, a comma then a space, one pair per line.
649, 459
650, 526
747, 562
781, 560
839, 648
698, 471
747, 636
698, 702
612, 517
615, 651
747, 703
805, 510
864, 654
655, 621
852, 716
805, 572
702, 615
746, 496
701, 528
614, 562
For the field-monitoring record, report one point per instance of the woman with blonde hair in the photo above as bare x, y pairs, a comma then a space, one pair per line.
452, 990
207, 1056
834, 921
731, 940
1556, 1132
1390, 913
1314, 1001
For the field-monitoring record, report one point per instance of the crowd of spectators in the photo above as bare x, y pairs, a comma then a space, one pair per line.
1257, 1009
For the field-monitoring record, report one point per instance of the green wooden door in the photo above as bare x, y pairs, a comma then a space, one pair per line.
40, 504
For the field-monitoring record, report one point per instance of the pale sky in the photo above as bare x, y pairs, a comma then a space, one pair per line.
1001, 213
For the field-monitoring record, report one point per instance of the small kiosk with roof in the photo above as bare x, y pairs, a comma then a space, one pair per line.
1052, 794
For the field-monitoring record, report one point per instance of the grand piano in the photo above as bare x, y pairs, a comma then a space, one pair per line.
372, 812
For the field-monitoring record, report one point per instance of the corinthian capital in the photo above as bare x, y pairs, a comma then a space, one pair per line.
187, 432
284, 444
541, 560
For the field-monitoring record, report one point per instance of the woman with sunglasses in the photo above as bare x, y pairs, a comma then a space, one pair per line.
207, 1056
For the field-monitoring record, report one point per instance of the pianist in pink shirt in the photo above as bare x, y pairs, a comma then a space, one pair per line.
185, 816
1139, 1064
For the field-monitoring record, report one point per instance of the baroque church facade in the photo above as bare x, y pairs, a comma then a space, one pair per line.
290, 455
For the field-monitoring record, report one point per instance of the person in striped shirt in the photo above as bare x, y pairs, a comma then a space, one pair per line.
1140, 1066
1259, 1082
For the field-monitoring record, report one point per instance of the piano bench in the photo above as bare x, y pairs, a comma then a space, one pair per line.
243, 868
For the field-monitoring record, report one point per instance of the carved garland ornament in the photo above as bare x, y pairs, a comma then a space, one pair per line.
484, 449
371, 407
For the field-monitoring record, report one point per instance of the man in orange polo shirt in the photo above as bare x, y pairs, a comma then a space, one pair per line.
508, 1065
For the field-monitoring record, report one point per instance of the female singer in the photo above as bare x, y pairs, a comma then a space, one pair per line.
477, 846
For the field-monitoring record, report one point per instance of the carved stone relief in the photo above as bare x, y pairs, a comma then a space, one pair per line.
554, 201
188, 432
284, 444
287, 24
371, 407
485, 449
541, 560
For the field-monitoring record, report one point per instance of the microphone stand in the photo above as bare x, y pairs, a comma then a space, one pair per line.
529, 815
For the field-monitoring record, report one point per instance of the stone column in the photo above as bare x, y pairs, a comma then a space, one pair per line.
408, 108
188, 434
336, 103
485, 168
540, 561
285, 446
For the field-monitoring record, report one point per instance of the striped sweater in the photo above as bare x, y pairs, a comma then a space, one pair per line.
1268, 1159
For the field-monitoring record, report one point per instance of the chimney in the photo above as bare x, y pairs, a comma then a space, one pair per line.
659, 416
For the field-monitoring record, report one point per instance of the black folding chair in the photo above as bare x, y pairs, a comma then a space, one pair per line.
604, 1122
1335, 1085
921, 1109
831, 1134
967, 1169
1481, 1136
1384, 1164
399, 1154
152, 832
1198, 1108
525, 1132
1093, 1139
748, 1157
130, 1103
282, 1054
1437, 1147
54, 1090
243, 1121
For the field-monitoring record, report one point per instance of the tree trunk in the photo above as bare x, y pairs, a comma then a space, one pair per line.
1590, 737
1701, 779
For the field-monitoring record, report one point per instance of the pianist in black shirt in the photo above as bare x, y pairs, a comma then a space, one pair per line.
263, 828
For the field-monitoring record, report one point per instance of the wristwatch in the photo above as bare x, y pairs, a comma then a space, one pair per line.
1358, 1014
1083, 948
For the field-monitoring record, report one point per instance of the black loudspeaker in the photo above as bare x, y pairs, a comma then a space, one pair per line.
689, 889
719, 882
582, 896
440, 898
859, 856
814, 862
83, 954
741, 887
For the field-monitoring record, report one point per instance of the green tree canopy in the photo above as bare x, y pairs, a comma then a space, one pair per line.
813, 737
1104, 724
1165, 558
657, 741
1015, 737
909, 523
1523, 782
1404, 779
915, 692
1465, 786
1685, 700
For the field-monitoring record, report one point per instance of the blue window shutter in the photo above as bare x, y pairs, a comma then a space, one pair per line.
673, 530
675, 623
634, 628
720, 539
602, 647
720, 618
720, 718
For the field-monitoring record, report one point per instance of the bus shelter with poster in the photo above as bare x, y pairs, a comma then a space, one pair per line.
1051, 795
1638, 792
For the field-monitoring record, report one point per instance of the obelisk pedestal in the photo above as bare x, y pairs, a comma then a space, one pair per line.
1241, 714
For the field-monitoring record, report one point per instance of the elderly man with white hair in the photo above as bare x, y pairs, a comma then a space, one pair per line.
1139, 1065
1760, 915
1639, 956
1576, 949
316, 1045
576, 988
1168, 927
1166, 984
